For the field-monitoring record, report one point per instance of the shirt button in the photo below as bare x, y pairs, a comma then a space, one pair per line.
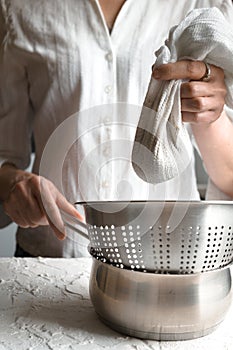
108, 89
108, 56
106, 120
106, 151
105, 184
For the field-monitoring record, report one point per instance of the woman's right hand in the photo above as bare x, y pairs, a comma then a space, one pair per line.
31, 200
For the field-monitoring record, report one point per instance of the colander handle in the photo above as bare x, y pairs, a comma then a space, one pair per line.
75, 224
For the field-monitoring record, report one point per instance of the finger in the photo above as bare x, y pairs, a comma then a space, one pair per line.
195, 89
47, 202
67, 207
37, 214
51, 201
187, 69
43, 191
54, 218
200, 117
198, 104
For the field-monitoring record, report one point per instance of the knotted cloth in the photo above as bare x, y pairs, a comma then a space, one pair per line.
162, 147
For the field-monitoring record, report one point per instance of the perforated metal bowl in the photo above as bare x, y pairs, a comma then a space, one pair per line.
162, 237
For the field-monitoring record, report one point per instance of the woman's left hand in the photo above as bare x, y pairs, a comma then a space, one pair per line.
202, 102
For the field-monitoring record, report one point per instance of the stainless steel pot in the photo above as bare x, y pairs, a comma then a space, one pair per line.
160, 306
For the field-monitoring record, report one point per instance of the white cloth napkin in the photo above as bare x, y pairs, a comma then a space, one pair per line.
162, 148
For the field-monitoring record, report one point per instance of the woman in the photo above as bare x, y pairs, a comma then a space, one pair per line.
57, 60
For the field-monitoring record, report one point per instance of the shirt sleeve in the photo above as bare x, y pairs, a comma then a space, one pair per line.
227, 9
229, 112
15, 108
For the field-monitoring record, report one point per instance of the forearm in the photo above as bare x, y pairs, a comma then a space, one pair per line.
215, 142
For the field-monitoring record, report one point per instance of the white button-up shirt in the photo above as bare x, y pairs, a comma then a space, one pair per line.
58, 59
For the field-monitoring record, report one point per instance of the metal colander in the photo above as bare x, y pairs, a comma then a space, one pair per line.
162, 237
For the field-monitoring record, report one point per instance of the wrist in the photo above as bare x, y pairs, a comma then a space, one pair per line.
219, 124
201, 129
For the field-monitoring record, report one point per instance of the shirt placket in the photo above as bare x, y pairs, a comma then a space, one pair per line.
109, 98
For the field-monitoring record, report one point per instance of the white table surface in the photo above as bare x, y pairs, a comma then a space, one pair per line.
45, 304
